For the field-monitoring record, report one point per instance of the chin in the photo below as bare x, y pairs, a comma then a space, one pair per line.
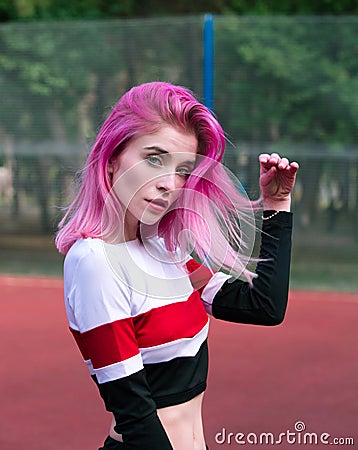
150, 220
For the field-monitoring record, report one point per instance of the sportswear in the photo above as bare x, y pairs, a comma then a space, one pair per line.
111, 444
142, 327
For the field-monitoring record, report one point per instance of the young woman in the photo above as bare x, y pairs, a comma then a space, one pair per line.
153, 193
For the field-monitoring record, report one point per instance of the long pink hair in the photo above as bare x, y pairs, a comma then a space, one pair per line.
217, 214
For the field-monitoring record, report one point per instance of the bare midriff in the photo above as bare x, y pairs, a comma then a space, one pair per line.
182, 423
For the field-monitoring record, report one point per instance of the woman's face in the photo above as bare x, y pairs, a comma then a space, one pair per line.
149, 172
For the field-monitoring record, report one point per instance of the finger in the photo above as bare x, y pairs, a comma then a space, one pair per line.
269, 176
275, 158
283, 164
269, 160
293, 167
264, 157
295, 164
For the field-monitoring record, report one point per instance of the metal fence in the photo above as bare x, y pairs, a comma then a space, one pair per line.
278, 83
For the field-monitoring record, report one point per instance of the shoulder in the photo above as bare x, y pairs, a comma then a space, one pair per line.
95, 292
91, 261
85, 255
83, 248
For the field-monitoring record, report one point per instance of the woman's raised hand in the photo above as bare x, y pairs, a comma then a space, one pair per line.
277, 179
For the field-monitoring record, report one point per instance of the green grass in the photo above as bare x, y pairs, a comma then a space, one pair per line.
34, 255
324, 261
30, 263
323, 264
329, 275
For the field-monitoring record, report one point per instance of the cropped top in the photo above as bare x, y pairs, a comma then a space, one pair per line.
141, 324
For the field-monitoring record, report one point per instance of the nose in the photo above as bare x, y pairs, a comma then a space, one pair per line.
167, 182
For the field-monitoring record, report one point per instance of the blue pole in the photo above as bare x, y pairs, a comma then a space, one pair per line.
208, 69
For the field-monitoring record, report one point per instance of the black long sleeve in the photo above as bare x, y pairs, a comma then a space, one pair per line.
265, 302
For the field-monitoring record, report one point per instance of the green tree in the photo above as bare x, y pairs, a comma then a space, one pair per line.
58, 82
289, 83
95, 9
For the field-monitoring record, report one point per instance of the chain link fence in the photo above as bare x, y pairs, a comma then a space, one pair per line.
286, 84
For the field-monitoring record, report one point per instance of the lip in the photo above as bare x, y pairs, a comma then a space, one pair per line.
158, 204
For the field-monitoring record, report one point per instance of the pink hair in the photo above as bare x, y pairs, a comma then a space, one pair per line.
216, 207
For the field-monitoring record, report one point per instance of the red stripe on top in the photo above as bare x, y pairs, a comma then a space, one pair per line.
199, 275
80, 343
170, 322
117, 341
109, 343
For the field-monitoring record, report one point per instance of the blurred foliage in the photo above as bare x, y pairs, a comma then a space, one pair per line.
281, 83
290, 79
96, 9
282, 80
57, 81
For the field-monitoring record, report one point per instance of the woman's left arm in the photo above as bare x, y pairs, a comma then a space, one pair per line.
265, 301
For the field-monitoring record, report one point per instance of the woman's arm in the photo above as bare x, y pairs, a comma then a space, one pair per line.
263, 303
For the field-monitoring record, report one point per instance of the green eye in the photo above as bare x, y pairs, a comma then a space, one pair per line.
154, 159
183, 171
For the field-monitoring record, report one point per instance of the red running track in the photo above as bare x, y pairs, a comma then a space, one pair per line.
303, 373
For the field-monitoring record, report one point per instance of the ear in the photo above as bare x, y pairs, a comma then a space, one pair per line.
110, 166
110, 171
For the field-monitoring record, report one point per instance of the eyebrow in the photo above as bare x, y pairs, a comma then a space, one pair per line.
155, 147
165, 152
